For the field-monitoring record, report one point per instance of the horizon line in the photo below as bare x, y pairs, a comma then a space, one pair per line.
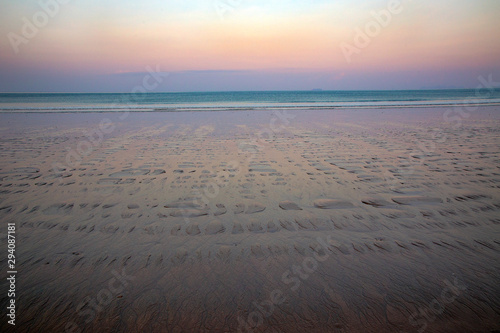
229, 91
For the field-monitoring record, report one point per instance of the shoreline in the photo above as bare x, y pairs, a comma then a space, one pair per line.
270, 108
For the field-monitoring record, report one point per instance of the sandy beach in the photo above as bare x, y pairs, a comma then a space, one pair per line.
369, 220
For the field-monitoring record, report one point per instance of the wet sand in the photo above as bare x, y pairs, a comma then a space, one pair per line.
288, 221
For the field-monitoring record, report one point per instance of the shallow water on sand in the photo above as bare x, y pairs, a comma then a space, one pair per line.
286, 221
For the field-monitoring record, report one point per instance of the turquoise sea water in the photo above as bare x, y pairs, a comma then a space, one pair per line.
168, 102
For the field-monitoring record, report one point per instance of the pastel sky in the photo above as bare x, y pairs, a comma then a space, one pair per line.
106, 46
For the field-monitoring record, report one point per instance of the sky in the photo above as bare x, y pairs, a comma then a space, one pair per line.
220, 45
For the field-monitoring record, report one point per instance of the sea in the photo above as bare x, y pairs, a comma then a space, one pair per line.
242, 100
